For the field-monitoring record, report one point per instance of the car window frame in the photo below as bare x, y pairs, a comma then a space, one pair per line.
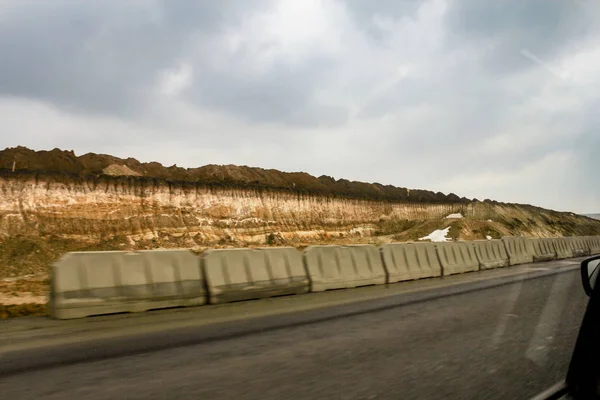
583, 376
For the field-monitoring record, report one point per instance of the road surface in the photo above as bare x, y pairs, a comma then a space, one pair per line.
510, 341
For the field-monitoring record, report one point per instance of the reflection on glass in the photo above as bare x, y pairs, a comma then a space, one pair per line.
593, 271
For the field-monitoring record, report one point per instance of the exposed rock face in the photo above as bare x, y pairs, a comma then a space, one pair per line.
95, 208
55, 197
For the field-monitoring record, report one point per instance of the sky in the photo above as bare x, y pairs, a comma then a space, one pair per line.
484, 99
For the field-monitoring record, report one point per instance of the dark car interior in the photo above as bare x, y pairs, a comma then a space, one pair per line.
583, 377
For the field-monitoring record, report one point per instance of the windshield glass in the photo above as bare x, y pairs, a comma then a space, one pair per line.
307, 199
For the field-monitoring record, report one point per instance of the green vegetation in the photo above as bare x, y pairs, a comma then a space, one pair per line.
394, 226
487, 231
421, 228
270, 239
455, 229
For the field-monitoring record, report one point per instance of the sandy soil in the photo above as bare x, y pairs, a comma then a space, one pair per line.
32, 289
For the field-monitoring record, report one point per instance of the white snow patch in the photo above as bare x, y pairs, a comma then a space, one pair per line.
439, 235
455, 215
488, 237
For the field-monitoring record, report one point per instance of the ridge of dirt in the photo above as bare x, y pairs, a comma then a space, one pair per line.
119, 170
63, 162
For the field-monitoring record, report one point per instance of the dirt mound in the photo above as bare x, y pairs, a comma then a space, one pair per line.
22, 159
119, 170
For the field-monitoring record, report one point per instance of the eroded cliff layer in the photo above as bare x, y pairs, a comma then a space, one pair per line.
48, 206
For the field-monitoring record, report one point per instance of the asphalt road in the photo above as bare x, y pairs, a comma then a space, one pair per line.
511, 341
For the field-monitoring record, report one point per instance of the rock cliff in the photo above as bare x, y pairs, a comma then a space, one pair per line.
54, 201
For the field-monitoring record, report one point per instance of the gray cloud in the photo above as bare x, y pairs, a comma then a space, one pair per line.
101, 56
544, 28
368, 13
281, 94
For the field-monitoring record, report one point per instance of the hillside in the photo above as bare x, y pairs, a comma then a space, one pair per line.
52, 202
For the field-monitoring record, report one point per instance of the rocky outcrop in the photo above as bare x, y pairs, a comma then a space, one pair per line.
98, 207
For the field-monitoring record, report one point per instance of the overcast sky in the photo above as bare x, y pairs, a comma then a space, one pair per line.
486, 99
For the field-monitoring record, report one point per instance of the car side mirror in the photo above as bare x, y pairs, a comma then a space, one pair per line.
590, 268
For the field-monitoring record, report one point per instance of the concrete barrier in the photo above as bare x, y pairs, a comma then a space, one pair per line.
588, 242
93, 283
542, 249
246, 274
518, 250
408, 261
594, 244
562, 248
491, 253
339, 267
457, 257
578, 246
591, 244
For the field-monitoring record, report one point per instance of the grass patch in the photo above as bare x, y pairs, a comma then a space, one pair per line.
484, 232
394, 226
515, 224
419, 230
493, 233
455, 229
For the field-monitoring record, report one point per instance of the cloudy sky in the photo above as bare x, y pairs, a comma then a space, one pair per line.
484, 99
